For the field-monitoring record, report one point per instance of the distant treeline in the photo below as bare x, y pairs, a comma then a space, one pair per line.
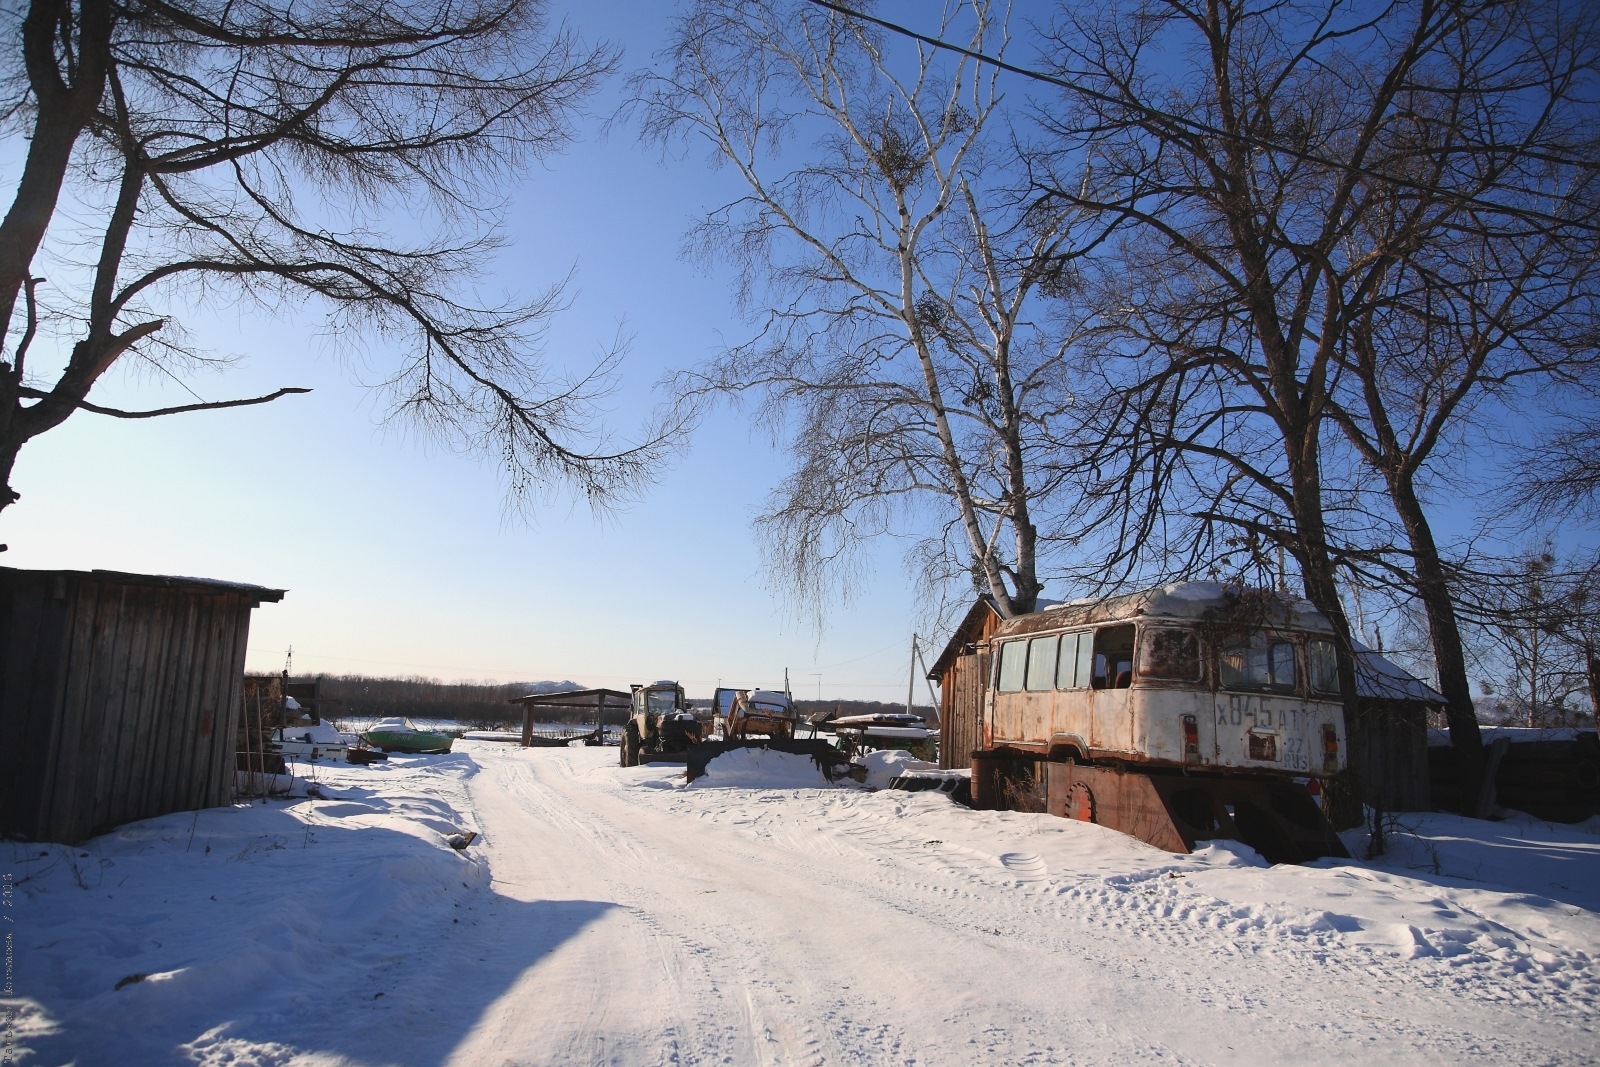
356, 696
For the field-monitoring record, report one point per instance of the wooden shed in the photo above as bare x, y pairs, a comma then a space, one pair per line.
1389, 745
962, 670
119, 697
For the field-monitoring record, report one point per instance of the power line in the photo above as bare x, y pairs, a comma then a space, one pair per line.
1249, 140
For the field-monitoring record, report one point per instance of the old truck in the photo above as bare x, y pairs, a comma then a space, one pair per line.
1187, 712
760, 719
661, 724
748, 713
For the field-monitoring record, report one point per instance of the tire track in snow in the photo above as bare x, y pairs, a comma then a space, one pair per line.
738, 1017
996, 902
1157, 906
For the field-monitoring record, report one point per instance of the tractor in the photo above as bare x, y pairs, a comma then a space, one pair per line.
661, 725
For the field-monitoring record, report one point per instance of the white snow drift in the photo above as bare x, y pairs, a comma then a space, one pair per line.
608, 916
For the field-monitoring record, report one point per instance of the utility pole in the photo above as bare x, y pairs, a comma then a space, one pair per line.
911, 682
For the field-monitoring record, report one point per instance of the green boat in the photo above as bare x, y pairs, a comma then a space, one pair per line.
399, 735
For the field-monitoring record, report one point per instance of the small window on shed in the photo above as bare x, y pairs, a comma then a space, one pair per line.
1042, 663
1013, 662
1324, 666
1170, 652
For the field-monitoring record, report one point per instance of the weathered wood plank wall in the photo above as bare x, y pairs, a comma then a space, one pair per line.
961, 717
962, 671
119, 699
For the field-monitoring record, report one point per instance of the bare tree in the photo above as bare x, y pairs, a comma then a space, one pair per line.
1558, 474
1277, 170
896, 284
1538, 637
186, 154
1461, 333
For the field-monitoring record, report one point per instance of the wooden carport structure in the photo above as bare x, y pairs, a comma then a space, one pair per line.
599, 701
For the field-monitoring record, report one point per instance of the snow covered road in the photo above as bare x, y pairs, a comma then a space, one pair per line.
611, 916
837, 926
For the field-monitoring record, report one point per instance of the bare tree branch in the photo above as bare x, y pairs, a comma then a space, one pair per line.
212, 405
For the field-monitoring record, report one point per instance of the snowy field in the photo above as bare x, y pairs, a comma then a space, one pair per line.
608, 916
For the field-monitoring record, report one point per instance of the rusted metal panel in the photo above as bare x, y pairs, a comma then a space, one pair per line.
1127, 803
1174, 812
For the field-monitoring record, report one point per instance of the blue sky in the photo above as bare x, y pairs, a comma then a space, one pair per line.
398, 556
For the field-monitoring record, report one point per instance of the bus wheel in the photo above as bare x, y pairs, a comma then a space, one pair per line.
1080, 802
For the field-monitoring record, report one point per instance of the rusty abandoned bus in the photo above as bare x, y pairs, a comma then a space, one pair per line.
1183, 713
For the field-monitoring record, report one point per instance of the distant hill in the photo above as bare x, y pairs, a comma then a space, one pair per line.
540, 688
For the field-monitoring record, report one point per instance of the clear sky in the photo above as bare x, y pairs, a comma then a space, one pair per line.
398, 556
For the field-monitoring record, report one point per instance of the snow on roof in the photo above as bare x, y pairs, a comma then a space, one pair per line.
1181, 600
1380, 678
892, 733
1516, 735
260, 593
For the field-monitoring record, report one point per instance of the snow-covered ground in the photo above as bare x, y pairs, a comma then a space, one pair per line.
608, 916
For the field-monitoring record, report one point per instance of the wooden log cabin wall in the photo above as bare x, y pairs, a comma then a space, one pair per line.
119, 697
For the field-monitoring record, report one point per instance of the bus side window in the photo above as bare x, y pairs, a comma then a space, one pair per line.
1170, 653
1113, 657
1076, 662
1013, 661
1042, 663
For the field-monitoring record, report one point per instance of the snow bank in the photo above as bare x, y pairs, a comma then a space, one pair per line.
761, 768
889, 764
632, 921
212, 922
